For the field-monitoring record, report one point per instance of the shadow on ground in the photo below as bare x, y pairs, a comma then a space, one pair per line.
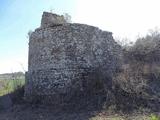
13, 107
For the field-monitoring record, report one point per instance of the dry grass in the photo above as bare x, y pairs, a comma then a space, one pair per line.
121, 117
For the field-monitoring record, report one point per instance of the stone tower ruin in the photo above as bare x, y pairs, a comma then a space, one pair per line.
69, 58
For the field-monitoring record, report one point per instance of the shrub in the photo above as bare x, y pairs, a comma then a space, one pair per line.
140, 73
146, 48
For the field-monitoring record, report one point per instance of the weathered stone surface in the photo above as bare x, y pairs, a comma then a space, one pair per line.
70, 58
50, 20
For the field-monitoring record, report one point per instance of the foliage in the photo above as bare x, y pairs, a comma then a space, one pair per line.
154, 117
67, 17
140, 73
29, 33
146, 48
124, 42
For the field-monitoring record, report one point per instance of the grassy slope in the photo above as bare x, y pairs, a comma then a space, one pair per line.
8, 86
10, 81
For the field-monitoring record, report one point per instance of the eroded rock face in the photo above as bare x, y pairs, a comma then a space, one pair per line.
51, 20
70, 58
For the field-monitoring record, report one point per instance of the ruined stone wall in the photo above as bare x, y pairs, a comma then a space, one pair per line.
66, 58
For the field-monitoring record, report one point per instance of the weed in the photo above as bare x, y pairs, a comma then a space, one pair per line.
11, 86
154, 117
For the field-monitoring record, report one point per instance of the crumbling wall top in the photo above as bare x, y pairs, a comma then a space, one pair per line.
51, 20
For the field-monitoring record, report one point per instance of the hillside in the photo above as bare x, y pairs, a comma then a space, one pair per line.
11, 76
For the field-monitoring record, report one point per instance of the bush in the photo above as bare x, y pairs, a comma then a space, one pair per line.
140, 73
146, 48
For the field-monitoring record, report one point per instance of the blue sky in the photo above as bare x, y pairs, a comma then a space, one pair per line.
125, 18
17, 17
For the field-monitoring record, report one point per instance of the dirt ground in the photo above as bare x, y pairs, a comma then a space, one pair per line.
15, 108
37, 112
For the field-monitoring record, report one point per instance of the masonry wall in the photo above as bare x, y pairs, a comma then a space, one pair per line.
69, 58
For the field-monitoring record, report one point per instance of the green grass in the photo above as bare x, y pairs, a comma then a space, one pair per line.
108, 115
120, 117
154, 117
8, 86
